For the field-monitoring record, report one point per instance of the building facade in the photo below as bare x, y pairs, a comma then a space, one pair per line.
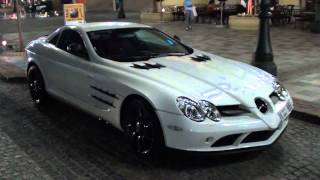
109, 5
140, 5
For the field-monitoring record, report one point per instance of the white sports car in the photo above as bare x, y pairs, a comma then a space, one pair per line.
157, 90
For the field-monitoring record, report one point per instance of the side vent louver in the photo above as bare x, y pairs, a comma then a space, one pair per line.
148, 66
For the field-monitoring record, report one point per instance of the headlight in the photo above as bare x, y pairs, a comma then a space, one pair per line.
210, 110
280, 90
190, 109
198, 111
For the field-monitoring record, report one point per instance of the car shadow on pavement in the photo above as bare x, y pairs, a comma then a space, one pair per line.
89, 131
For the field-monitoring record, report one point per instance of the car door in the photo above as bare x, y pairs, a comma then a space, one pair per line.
69, 67
104, 85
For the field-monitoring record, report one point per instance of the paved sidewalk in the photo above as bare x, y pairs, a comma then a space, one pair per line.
13, 66
296, 54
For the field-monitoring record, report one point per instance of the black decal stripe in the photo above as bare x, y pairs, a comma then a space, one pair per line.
200, 58
140, 67
104, 92
158, 66
102, 100
148, 66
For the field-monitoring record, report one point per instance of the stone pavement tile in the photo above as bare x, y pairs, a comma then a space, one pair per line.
305, 109
14, 163
316, 101
13, 66
16, 58
311, 92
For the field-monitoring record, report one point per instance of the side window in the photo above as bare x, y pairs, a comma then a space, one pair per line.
71, 42
54, 39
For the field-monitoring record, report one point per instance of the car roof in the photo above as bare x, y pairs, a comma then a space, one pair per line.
87, 27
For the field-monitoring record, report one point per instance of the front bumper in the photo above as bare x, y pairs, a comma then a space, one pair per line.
242, 132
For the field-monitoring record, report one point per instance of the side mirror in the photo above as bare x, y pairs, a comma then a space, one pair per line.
176, 38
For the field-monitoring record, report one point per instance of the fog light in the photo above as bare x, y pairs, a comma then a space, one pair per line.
175, 128
209, 140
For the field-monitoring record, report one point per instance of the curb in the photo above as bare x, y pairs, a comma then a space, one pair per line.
306, 117
306, 111
11, 73
13, 79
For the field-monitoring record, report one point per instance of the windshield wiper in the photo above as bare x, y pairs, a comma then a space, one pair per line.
145, 57
171, 54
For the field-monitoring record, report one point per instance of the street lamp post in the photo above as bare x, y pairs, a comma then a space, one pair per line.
263, 57
316, 24
19, 26
121, 14
14, 6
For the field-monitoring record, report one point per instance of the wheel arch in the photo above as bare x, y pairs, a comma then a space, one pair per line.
131, 97
33, 63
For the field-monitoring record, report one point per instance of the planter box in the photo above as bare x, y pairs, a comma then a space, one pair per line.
155, 17
244, 22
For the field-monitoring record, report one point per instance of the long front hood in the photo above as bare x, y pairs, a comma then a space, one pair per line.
221, 81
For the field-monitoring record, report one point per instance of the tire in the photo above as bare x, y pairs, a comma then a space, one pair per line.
143, 129
36, 86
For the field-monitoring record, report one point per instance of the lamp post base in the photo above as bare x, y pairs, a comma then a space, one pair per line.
121, 15
315, 27
268, 66
220, 26
263, 57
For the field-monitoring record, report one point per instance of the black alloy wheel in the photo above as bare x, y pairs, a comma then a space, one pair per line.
36, 86
143, 128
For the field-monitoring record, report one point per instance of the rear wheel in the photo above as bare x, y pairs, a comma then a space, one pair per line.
36, 86
143, 128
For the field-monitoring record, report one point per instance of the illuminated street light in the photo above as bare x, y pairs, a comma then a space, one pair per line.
4, 43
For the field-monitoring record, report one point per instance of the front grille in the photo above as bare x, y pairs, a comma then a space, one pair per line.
226, 141
233, 110
258, 136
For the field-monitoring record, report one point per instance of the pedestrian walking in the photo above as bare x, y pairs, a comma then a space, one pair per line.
188, 13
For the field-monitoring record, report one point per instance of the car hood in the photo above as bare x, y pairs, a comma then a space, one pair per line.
219, 80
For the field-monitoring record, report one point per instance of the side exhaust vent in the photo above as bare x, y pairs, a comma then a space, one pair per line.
201, 58
148, 66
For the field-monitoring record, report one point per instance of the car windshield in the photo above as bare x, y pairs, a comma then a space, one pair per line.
135, 44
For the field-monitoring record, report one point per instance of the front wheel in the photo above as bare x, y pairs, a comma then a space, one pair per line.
36, 86
143, 128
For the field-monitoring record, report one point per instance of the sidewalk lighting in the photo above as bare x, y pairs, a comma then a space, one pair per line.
4, 43
19, 26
